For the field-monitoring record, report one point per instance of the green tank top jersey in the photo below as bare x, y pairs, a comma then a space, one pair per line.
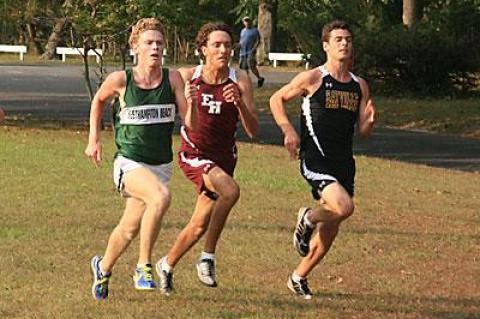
144, 122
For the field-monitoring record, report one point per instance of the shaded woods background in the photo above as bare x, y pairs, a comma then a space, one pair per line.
426, 48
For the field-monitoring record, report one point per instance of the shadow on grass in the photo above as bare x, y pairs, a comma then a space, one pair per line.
375, 304
394, 232
437, 150
236, 225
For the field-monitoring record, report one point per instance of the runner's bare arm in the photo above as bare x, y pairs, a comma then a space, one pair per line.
242, 96
299, 86
366, 115
111, 87
185, 100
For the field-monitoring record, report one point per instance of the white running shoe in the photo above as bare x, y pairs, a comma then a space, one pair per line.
206, 272
165, 278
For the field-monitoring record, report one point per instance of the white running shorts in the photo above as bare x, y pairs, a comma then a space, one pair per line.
122, 165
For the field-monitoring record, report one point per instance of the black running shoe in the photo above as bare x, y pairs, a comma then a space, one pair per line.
300, 287
302, 233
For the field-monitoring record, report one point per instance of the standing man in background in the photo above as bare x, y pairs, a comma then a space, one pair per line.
249, 41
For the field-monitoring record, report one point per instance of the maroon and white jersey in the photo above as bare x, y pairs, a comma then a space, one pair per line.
214, 137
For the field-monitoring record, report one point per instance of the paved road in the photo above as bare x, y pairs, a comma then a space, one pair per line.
57, 92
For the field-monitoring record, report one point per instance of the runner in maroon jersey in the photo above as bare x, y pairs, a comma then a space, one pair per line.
208, 155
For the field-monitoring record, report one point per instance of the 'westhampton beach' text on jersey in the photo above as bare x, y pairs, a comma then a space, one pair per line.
328, 119
144, 122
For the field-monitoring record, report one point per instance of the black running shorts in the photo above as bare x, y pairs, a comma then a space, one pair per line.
323, 172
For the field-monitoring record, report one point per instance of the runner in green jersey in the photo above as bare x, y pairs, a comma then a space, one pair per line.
149, 97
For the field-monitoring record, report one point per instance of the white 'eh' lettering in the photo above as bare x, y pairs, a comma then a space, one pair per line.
214, 106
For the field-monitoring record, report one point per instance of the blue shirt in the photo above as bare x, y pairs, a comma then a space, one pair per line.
248, 38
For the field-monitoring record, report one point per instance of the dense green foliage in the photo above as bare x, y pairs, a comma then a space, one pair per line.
440, 56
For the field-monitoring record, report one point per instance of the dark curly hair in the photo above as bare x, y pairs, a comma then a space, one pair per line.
204, 32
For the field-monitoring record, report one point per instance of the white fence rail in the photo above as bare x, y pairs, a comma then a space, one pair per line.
21, 49
276, 56
64, 51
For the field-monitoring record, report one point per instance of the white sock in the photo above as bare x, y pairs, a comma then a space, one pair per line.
165, 266
205, 255
296, 277
307, 220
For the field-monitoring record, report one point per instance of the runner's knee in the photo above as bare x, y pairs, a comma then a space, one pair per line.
159, 199
230, 192
345, 209
127, 233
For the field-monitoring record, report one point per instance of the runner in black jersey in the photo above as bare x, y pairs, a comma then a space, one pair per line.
149, 97
334, 99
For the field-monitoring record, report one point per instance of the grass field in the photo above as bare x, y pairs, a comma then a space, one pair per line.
411, 250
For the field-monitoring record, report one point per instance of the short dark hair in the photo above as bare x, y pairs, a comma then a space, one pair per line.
336, 24
204, 32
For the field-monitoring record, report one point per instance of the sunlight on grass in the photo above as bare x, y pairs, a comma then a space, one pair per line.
409, 251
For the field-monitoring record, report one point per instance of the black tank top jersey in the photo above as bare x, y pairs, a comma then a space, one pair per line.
328, 119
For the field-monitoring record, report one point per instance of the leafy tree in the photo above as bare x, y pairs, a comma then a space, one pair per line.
425, 60
440, 52
60, 21
267, 16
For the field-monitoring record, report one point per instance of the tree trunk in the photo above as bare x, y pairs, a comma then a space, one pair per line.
266, 27
33, 43
124, 52
87, 46
54, 38
412, 13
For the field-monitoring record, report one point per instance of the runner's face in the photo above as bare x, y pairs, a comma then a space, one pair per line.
150, 47
218, 49
339, 46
